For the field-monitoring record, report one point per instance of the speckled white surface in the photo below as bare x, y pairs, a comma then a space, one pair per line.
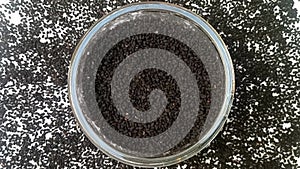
38, 130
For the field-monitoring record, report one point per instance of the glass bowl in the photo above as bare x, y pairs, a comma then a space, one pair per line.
151, 84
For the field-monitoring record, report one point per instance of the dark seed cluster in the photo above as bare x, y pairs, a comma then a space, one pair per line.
148, 80
37, 128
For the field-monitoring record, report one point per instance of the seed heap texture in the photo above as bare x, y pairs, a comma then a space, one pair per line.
148, 80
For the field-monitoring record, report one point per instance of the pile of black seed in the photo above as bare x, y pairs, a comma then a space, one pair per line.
148, 80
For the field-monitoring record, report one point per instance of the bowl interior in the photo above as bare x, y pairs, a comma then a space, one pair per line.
150, 83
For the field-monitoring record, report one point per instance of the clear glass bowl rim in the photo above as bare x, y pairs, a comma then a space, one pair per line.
208, 137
